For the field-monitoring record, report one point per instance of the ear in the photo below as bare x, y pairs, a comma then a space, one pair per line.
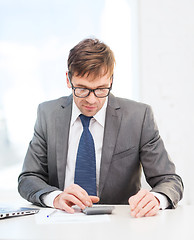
111, 81
67, 80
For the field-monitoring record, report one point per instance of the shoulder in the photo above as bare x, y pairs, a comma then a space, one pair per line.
135, 113
131, 103
127, 105
55, 104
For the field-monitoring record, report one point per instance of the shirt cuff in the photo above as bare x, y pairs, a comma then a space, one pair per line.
162, 199
48, 199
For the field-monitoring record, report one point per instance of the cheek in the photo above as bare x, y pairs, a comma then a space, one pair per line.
101, 102
80, 102
76, 100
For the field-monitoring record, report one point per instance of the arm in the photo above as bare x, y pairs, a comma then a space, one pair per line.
159, 172
33, 182
158, 168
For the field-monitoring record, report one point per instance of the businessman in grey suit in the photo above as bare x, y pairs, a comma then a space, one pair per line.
125, 136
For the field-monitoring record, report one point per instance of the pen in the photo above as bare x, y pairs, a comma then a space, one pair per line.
49, 215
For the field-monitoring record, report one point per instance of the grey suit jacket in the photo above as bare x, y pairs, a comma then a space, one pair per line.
131, 141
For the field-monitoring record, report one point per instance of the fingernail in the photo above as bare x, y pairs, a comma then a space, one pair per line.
83, 206
132, 213
88, 203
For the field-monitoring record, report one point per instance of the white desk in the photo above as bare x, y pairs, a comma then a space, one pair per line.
168, 224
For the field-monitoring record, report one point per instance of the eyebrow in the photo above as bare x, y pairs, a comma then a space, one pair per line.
101, 86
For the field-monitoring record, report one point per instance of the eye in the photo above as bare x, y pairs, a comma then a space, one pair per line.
101, 90
82, 90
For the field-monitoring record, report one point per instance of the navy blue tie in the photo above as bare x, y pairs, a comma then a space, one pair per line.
85, 170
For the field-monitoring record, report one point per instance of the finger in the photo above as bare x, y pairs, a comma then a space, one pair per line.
145, 200
134, 200
146, 203
83, 191
146, 209
94, 199
60, 203
65, 201
153, 211
140, 206
72, 200
79, 193
66, 208
84, 197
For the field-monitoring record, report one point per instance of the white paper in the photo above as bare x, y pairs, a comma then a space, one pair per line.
54, 216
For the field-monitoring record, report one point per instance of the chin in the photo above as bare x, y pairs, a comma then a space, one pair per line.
88, 113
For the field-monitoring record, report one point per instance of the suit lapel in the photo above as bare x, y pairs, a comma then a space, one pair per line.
62, 135
112, 124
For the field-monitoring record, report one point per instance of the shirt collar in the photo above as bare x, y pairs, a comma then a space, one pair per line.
99, 116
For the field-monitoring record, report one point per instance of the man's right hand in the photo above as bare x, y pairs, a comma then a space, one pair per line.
74, 195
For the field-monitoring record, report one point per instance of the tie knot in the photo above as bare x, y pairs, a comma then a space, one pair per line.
85, 120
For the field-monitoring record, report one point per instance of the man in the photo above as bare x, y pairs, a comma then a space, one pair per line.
71, 162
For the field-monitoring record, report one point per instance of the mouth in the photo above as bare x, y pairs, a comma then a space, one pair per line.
89, 107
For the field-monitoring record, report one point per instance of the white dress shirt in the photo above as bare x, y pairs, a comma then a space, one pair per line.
96, 128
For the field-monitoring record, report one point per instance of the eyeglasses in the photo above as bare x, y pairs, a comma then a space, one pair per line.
85, 92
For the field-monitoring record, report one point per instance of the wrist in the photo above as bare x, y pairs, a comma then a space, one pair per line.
162, 200
48, 199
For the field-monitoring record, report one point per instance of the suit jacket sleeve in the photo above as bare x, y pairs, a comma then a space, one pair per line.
34, 179
158, 168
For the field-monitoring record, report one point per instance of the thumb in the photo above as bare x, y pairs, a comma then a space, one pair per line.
94, 199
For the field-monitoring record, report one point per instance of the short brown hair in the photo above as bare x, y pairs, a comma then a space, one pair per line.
91, 56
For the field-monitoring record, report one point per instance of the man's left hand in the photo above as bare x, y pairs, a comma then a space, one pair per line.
144, 204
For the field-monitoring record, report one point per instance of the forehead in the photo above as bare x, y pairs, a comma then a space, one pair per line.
91, 81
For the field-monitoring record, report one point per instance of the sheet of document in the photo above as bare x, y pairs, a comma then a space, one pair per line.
54, 216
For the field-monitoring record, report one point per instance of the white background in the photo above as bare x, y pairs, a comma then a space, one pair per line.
153, 45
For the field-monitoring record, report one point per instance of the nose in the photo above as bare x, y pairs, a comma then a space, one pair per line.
91, 99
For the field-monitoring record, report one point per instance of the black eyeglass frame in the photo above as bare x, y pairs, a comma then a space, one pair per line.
90, 90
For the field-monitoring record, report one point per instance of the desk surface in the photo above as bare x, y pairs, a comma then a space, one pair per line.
168, 224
